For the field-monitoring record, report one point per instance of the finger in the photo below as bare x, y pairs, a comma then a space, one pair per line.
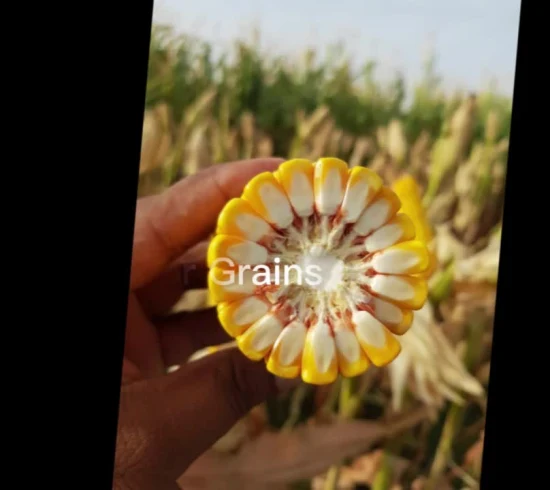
196, 254
130, 372
193, 267
170, 223
182, 414
142, 345
183, 334
188, 272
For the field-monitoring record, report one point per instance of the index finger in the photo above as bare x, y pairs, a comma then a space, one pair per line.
168, 224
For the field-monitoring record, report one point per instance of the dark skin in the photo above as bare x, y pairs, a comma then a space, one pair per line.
166, 421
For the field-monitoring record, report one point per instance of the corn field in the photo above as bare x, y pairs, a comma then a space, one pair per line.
419, 423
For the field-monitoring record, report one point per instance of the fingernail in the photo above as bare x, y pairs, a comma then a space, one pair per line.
285, 385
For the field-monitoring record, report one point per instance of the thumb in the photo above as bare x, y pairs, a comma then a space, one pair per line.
173, 419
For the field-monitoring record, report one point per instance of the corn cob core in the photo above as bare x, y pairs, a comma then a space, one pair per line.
315, 271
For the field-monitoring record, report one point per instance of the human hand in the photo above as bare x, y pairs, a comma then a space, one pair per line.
167, 420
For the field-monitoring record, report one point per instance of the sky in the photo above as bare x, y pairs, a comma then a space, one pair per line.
474, 40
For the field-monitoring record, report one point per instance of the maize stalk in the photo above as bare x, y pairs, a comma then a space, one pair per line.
156, 138
397, 143
455, 415
348, 142
462, 125
221, 140
384, 476
443, 162
248, 134
264, 147
335, 141
319, 142
420, 154
197, 154
492, 127
361, 150
382, 138
307, 128
348, 405
232, 145
190, 141
451, 149
350, 264
479, 186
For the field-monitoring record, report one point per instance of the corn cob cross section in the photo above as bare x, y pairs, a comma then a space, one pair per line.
315, 271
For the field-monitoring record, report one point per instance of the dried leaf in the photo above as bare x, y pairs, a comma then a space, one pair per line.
156, 138
232, 145
275, 458
361, 150
368, 465
347, 143
234, 438
247, 126
462, 125
309, 126
427, 354
348, 479
476, 295
420, 484
200, 109
447, 246
483, 373
481, 267
442, 207
492, 126
192, 300
420, 157
264, 147
321, 139
382, 137
247, 428
335, 141
197, 150
363, 471
474, 455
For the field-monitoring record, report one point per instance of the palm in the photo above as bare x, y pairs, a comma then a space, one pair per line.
156, 339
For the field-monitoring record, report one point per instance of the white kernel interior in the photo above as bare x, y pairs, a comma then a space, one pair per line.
386, 236
291, 342
301, 195
387, 312
250, 310
369, 329
347, 345
322, 345
253, 227
395, 261
354, 202
373, 217
276, 203
247, 253
329, 197
264, 332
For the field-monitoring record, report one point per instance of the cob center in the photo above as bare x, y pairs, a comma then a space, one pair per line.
323, 272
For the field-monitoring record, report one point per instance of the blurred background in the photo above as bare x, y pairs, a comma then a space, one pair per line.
409, 88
